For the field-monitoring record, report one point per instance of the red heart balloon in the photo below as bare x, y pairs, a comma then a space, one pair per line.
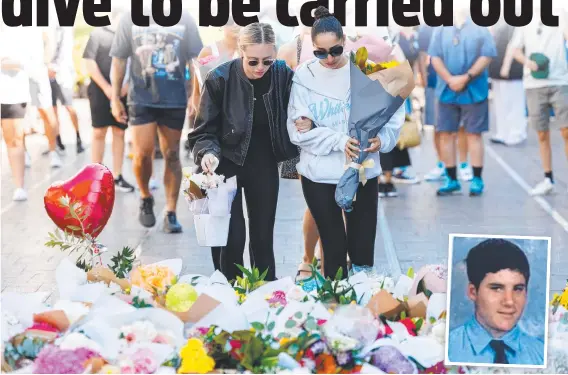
91, 190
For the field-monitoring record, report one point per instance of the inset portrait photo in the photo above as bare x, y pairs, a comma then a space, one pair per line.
498, 301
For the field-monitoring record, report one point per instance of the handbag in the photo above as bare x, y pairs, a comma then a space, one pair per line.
409, 135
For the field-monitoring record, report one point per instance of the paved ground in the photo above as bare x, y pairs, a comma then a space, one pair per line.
413, 229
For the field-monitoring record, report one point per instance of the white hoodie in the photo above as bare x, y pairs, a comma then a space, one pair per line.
324, 96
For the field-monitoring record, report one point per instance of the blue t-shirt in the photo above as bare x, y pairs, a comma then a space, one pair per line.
459, 49
424, 37
159, 58
470, 343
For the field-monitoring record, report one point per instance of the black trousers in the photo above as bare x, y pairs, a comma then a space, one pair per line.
395, 159
258, 180
356, 236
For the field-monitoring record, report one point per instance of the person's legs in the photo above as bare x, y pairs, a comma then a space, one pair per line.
170, 123
449, 117
476, 122
538, 104
117, 150
560, 105
98, 144
331, 226
261, 202
430, 109
227, 257
311, 240
386, 187
362, 225
143, 121
13, 134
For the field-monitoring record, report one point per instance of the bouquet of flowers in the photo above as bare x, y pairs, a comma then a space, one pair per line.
210, 198
378, 90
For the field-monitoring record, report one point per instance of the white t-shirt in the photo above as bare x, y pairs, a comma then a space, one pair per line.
551, 43
14, 84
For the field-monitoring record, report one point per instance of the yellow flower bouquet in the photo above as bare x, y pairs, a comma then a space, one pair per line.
155, 279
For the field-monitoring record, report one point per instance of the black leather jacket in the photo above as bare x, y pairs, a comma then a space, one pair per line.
223, 125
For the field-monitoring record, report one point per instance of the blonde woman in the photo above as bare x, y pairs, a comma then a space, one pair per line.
240, 130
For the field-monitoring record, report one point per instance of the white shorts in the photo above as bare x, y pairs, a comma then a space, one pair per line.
40, 90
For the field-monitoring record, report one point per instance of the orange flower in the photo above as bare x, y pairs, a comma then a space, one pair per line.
153, 278
325, 364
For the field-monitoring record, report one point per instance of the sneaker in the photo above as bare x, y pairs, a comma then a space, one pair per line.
171, 224
27, 160
403, 176
60, 146
20, 195
146, 216
80, 147
476, 187
497, 141
55, 161
465, 172
387, 190
382, 190
153, 184
544, 187
436, 174
120, 184
450, 187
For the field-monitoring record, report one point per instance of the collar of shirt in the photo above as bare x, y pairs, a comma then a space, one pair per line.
480, 338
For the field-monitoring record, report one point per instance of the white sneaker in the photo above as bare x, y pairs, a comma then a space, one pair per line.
436, 174
20, 195
544, 187
153, 184
465, 172
55, 161
28, 160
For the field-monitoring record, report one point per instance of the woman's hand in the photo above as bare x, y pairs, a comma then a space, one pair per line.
375, 145
118, 110
304, 124
351, 148
209, 163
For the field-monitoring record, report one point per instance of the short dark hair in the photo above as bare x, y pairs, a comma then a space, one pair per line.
326, 22
492, 256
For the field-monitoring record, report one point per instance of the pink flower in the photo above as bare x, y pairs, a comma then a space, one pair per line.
43, 326
203, 330
278, 298
144, 362
130, 338
321, 322
52, 360
160, 340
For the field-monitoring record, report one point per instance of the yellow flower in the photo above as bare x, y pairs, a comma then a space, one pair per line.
284, 341
390, 64
194, 358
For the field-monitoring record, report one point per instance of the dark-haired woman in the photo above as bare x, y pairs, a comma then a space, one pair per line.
240, 130
321, 92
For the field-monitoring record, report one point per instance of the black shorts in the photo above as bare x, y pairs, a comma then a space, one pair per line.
172, 118
61, 93
13, 111
101, 114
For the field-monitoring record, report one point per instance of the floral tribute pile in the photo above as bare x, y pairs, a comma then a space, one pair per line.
149, 319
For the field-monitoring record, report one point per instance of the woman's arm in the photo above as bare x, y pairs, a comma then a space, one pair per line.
204, 138
196, 90
319, 140
391, 131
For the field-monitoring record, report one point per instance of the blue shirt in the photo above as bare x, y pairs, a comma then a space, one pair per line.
424, 37
469, 343
459, 49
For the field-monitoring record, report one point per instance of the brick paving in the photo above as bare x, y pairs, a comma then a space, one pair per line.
417, 221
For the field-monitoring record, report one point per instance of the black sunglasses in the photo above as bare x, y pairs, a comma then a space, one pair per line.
267, 62
333, 51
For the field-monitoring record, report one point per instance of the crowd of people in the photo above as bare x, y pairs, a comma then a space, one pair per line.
254, 101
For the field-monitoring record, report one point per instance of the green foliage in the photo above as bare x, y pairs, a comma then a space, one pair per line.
121, 263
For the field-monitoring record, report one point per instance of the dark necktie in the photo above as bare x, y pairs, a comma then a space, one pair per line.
498, 347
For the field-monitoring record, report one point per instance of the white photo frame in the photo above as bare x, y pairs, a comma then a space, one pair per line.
452, 238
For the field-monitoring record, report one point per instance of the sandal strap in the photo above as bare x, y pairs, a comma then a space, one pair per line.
304, 267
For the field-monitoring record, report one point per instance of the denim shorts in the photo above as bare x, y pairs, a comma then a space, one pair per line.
474, 117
